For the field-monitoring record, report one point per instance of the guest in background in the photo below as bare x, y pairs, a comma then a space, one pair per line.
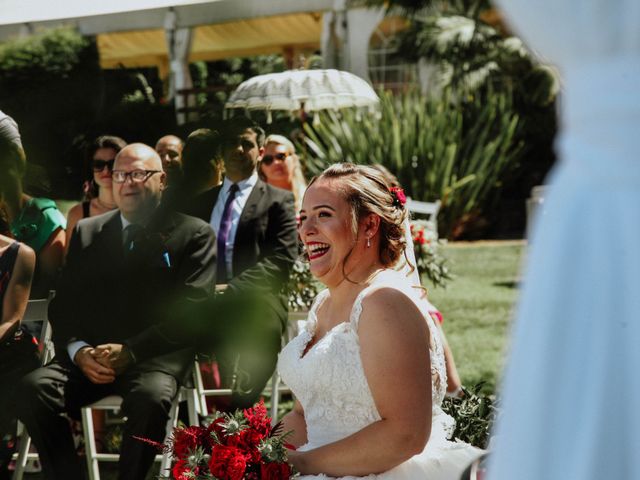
280, 167
101, 156
169, 148
125, 272
202, 162
257, 245
17, 262
36, 222
201, 170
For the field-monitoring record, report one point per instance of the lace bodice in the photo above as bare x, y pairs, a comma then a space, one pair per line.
329, 379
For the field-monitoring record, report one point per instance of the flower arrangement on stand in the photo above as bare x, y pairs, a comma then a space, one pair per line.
238, 446
429, 261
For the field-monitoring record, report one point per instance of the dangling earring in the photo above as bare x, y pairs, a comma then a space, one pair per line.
368, 242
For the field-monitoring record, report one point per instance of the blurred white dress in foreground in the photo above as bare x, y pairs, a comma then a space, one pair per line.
571, 390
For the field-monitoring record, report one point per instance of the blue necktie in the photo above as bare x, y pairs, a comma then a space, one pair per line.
223, 234
131, 235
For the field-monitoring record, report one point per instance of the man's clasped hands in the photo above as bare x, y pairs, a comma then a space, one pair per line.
101, 364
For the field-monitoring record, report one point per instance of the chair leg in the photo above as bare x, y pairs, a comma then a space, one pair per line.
21, 461
90, 444
275, 396
197, 380
165, 463
192, 406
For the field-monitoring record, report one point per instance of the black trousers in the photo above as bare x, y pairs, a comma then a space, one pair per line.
247, 355
46, 393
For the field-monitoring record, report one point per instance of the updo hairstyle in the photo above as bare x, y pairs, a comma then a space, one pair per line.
366, 191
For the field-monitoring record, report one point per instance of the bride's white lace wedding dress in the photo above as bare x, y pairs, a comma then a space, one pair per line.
330, 383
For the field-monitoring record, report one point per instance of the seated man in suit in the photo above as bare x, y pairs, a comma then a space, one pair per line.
257, 245
126, 272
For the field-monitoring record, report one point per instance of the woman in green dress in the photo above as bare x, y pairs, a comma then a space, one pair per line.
36, 222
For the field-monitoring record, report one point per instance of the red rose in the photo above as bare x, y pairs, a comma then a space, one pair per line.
227, 463
185, 440
214, 427
275, 471
399, 195
247, 440
181, 471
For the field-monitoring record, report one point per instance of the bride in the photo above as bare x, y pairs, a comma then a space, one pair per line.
367, 369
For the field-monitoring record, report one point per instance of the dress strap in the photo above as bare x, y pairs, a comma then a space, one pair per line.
356, 310
7, 261
8, 258
312, 318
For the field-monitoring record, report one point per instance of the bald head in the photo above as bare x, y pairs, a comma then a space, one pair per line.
138, 197
141, 152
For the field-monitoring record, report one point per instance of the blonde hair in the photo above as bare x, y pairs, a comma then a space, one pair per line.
367, 191
298, 182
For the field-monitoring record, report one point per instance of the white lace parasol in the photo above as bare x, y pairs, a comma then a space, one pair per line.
309, 90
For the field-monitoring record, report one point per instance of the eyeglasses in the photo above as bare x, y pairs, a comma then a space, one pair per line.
98, 165
269, 159
136, 176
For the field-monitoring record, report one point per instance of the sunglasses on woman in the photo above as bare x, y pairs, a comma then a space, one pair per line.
269, 159
98, 165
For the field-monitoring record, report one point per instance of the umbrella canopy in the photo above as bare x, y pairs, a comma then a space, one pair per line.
311, 90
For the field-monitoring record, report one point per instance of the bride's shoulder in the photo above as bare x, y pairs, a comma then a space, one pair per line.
386, 306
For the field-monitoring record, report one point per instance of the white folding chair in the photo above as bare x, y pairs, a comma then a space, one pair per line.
202, 393
36, 317
114, 402
429, 209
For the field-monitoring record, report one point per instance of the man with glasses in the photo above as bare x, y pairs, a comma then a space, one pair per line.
127, 272
257, 245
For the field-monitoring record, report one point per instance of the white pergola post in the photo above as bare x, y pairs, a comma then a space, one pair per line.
179, 46
346, 35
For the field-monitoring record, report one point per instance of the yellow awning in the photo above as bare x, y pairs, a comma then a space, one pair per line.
213, 42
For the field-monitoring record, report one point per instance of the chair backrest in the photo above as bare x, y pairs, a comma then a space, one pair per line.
429, 209
36, 316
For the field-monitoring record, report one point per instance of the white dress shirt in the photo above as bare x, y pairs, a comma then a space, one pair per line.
244, 190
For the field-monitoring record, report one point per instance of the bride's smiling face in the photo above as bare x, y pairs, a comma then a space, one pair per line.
325, 229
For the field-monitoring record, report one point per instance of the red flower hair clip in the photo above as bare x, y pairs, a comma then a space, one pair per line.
399, 198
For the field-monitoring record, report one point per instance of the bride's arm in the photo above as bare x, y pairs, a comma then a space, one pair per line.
394, 344
294, 422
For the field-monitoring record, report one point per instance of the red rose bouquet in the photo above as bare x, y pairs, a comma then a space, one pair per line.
238, 446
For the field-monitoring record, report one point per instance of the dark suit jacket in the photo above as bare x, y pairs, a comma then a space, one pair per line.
105, 298
265, 246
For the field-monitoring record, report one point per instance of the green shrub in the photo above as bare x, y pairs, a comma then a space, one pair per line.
302, 287
440, 148
474, 414
51, 84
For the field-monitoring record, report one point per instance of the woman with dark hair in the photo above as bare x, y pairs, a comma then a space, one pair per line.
367, 370
101, 155
36, 222
17, 262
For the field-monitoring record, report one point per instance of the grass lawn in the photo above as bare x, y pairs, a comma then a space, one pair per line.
477, 306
